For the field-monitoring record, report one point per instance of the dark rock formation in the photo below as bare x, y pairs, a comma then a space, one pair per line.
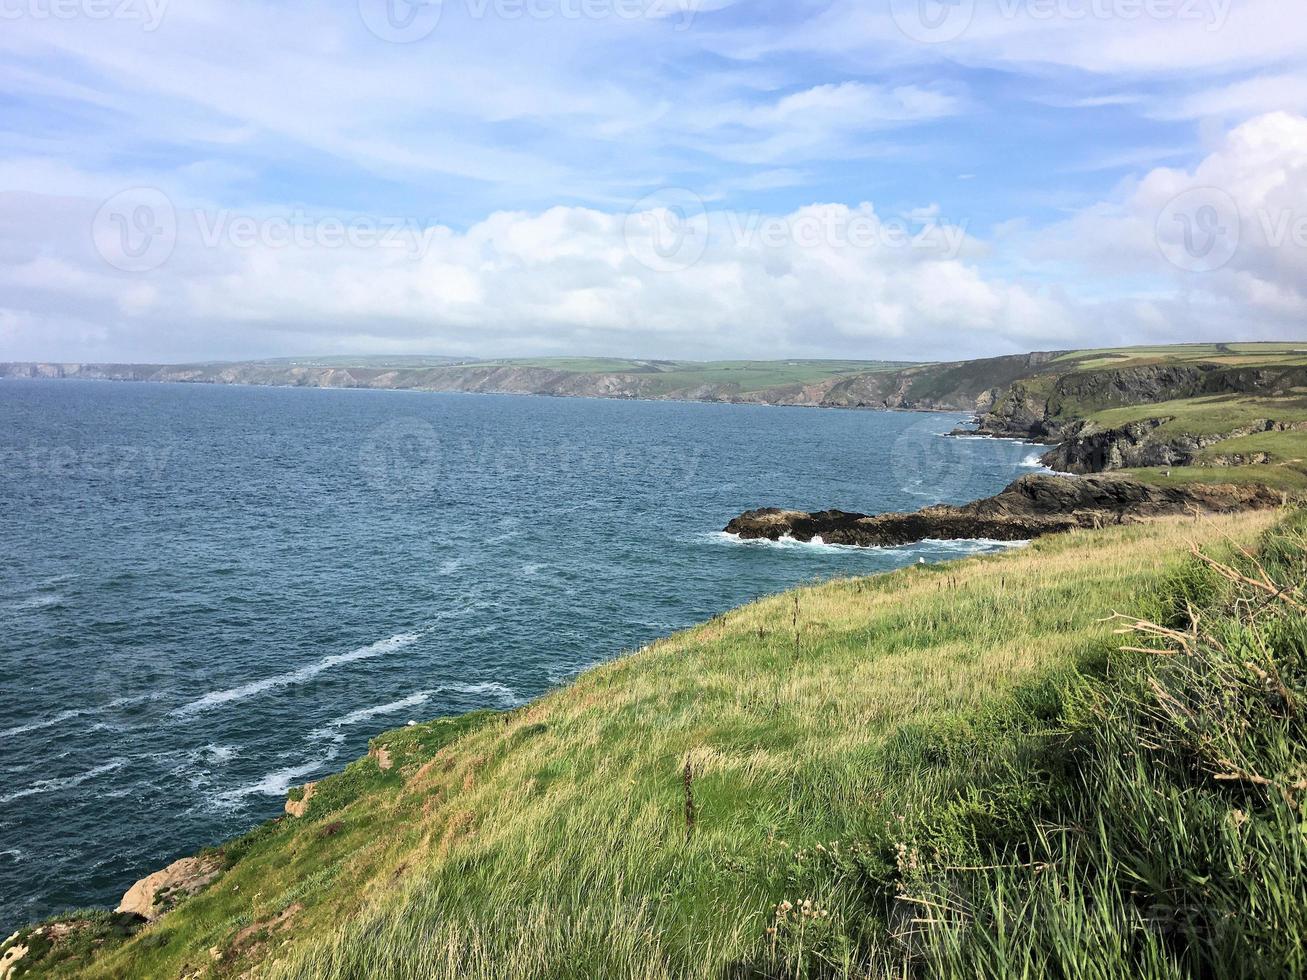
1032, 506
1087, 449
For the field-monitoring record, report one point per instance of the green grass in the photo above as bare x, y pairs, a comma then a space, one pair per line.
1266, 353
1290, 478
1165, 836
1282, 447
1212, 414
821, 729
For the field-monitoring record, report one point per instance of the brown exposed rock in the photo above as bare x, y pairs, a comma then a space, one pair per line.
297, 808
9, 961
1034, 505
154, 894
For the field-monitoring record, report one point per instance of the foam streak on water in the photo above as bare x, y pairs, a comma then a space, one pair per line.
216, 699
67, 782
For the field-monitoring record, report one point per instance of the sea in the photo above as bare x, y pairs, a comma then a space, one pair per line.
209, 594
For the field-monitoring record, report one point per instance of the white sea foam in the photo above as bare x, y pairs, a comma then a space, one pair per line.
218, 754
67, 782
1032, 462
38, 602
69, 715
786, 542
215, 699
49, 722
276, 783
949, 544
332, 729
501, 691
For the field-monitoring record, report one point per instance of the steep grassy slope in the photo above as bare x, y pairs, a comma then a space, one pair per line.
738, 800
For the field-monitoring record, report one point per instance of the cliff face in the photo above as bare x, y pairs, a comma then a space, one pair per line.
1090, 450
1051, 407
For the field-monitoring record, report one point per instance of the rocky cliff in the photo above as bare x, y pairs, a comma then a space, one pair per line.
1089, 449
1052, 407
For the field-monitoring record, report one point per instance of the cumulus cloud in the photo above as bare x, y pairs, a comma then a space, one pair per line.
1229, 234
824, 279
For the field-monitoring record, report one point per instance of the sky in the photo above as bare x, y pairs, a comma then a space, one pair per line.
186, 180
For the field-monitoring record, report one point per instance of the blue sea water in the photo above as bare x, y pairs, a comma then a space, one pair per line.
210, 594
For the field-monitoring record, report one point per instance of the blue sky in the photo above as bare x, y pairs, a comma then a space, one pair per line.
521, 167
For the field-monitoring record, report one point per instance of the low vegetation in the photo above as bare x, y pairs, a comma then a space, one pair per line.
948, 771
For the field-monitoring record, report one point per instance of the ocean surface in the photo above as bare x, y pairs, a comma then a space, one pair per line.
210, 594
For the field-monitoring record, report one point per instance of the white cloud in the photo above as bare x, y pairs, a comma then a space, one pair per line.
816, 281
1226, 239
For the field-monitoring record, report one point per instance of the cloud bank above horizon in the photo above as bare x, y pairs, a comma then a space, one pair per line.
656, 178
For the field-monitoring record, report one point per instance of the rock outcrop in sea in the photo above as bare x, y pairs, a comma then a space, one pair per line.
1032, 506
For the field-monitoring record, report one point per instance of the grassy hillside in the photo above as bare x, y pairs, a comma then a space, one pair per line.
781, 791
